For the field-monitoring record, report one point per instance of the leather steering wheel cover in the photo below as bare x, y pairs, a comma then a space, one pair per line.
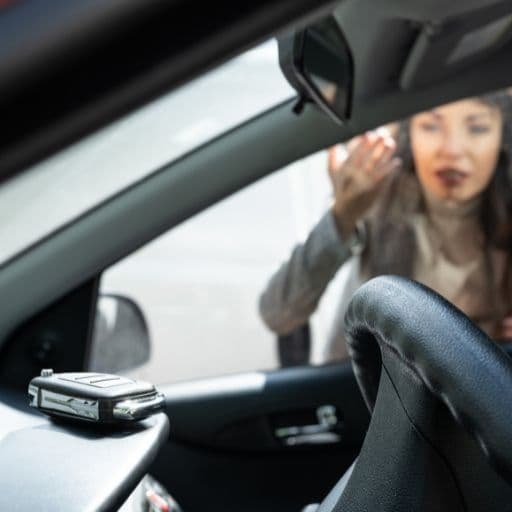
455, 360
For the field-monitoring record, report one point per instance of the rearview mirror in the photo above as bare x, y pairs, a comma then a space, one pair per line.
318, 64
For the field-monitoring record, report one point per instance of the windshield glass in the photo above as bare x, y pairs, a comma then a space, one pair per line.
66, 185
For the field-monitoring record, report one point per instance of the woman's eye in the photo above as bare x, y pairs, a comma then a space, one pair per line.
477, 129
429, 126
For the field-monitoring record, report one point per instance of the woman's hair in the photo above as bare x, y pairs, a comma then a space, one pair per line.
391, 238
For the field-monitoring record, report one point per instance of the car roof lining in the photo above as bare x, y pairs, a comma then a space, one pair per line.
66, 75
124, 223
383, 44
123, 54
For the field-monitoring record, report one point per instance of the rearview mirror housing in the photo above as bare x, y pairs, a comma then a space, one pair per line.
317, 62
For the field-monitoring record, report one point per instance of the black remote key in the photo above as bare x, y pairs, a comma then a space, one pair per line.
94, 397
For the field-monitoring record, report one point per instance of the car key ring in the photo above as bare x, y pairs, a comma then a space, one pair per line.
94, 397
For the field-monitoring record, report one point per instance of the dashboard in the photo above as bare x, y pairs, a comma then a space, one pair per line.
49, 465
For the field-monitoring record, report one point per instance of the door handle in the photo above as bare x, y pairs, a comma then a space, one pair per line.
326, 431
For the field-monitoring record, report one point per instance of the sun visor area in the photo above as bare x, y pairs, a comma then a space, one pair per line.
443, 48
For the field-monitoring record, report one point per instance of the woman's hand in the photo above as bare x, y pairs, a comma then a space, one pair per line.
356, 177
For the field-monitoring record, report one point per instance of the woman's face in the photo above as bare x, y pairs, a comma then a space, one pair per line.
455, 149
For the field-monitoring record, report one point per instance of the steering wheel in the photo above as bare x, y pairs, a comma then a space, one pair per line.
440, 393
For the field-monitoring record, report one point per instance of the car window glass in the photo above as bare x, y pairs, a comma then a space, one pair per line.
199, 285
264, 279
428, 198
61, 188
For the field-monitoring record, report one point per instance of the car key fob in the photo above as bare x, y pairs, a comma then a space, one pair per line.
95, 397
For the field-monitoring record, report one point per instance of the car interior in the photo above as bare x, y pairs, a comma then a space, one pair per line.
411, 425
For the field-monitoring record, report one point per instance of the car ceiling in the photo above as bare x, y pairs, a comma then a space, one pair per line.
377, 32
68, 68
384, 39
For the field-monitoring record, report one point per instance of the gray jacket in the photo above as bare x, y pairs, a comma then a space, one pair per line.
293, 292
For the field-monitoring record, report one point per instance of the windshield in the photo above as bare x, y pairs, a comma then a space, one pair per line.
61, 188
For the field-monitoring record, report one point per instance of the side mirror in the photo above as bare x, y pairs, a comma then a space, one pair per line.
120, 338
318, 64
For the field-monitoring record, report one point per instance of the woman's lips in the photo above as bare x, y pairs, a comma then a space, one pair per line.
451, 177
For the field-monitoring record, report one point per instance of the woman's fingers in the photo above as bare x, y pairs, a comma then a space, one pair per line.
358, 150
374, 146
367, 160
364, 151
387, 168
356, 176
333, 161
379, 153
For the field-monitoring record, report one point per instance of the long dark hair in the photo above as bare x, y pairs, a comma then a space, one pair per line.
392, 244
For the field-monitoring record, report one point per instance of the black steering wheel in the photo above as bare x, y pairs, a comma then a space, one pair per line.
440, 392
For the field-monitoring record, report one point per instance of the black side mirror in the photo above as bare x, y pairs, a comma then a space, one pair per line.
318, 64
120, 338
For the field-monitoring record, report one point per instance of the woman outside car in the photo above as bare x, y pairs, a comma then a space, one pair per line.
435, 205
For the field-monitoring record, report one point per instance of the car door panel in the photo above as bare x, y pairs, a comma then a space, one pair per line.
223, 432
